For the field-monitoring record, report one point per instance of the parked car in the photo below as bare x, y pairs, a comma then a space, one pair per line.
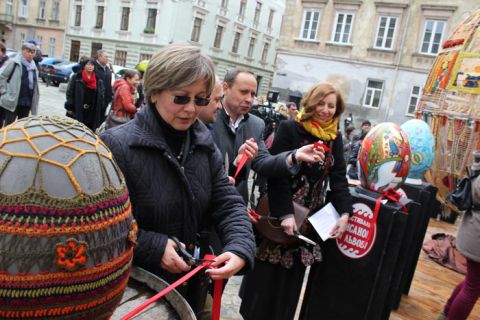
46, 64
118, 72
60, 73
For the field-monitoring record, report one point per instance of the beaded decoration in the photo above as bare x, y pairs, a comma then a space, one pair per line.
67, 231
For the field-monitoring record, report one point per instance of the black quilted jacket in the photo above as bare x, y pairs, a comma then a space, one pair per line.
168, 200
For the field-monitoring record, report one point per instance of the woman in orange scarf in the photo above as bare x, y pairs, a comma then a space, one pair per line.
272, 290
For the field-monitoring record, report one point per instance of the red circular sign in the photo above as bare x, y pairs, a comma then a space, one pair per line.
355, 241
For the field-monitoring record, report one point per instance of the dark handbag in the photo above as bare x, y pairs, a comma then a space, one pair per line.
461, 196
112, 119
270, 227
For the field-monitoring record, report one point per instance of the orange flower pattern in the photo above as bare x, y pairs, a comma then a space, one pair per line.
71, 254
132, 234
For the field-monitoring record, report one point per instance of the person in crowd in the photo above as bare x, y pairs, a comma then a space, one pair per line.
19, 85
466, 293
125, 94
238, 132
347, 142
85, 95
175, 175
282, 109
140, 67
292, 109
272, 290
366, 126
38, 57
104, 72
352, 160
3, 54
208, 115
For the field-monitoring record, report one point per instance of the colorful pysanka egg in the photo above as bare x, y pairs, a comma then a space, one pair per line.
67, 231
384, 158
422, 147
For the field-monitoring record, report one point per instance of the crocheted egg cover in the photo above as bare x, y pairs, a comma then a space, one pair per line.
66, 228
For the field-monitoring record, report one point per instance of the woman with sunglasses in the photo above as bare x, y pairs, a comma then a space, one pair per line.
272, 290
175, 175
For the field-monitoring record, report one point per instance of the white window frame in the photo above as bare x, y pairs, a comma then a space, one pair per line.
151, 19
125, 18
41, 9
242, 9
237, 37
258, 12
416, 96
342, 29
39, 41
371, 92
9, 7
251, 47
77, 20
100, 19
55, 10
23, 8
310, 29
51, 47
22, 39
266, 48
384, 36
196, 29
431, 42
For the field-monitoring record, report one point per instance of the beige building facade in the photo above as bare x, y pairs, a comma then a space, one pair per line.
378, 52
41, 20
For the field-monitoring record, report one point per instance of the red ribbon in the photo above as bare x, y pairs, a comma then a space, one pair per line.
217, 293
390, 194
240, 165
318, 145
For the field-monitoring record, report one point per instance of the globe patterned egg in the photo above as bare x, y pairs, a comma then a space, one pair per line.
67, 231
384, 158
422, 147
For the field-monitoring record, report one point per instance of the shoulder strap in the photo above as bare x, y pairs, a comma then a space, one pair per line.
11, 72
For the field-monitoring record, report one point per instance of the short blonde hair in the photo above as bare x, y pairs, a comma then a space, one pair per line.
282, 109
316, 94
177, 66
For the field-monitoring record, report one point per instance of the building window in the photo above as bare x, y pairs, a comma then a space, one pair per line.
55, 10
310, 24
51, 47
41, 10
251, 47
343, 27
266, 46
95, 47
385, 32
432, 36
373, 93
270, 19
236, 42
256, 17
218, 37
23, 9
151, 20
145, 56
99, 22
224, 4
75, 50
241, 11
125, 16
197, 27
413, 101
78, 16
120, 58
22, 39
9, 8
39, 41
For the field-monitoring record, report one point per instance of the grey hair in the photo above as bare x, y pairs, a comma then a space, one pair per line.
232, 74
177, 66
101, 52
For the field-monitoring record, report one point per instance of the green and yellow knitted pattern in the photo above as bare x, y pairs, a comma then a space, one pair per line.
66, 228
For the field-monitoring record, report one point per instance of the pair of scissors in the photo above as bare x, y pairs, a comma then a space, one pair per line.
186, 256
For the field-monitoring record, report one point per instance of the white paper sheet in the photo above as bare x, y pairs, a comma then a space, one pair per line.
324, 220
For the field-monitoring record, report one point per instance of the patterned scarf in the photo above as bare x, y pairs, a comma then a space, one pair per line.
326, 133
91, 82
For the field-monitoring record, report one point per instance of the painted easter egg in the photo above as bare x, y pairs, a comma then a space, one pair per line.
422, 147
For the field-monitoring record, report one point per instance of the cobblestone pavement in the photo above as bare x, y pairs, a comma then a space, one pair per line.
51, 102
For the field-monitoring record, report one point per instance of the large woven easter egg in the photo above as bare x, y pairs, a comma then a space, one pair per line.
422, 147
66, 228
384, 158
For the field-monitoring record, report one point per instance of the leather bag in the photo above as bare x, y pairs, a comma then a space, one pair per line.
271, 229
461, 196
112, 119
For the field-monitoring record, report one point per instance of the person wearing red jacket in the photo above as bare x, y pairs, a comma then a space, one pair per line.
125, 94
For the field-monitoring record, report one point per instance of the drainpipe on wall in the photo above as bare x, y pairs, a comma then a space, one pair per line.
397, 63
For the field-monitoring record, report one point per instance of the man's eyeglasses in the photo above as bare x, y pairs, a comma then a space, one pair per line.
201, 102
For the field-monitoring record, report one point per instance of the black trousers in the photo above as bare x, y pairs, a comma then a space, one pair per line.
20, 112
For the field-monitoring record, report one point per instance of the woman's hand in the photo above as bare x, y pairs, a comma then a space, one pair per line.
340, 227
289, 226
310, 154
250, 148
171, 261
230, 264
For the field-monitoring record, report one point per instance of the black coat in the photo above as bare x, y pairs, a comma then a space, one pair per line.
106, 75
75, 99
168, 200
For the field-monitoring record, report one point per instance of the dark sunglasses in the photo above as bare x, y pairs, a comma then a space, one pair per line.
201, 102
